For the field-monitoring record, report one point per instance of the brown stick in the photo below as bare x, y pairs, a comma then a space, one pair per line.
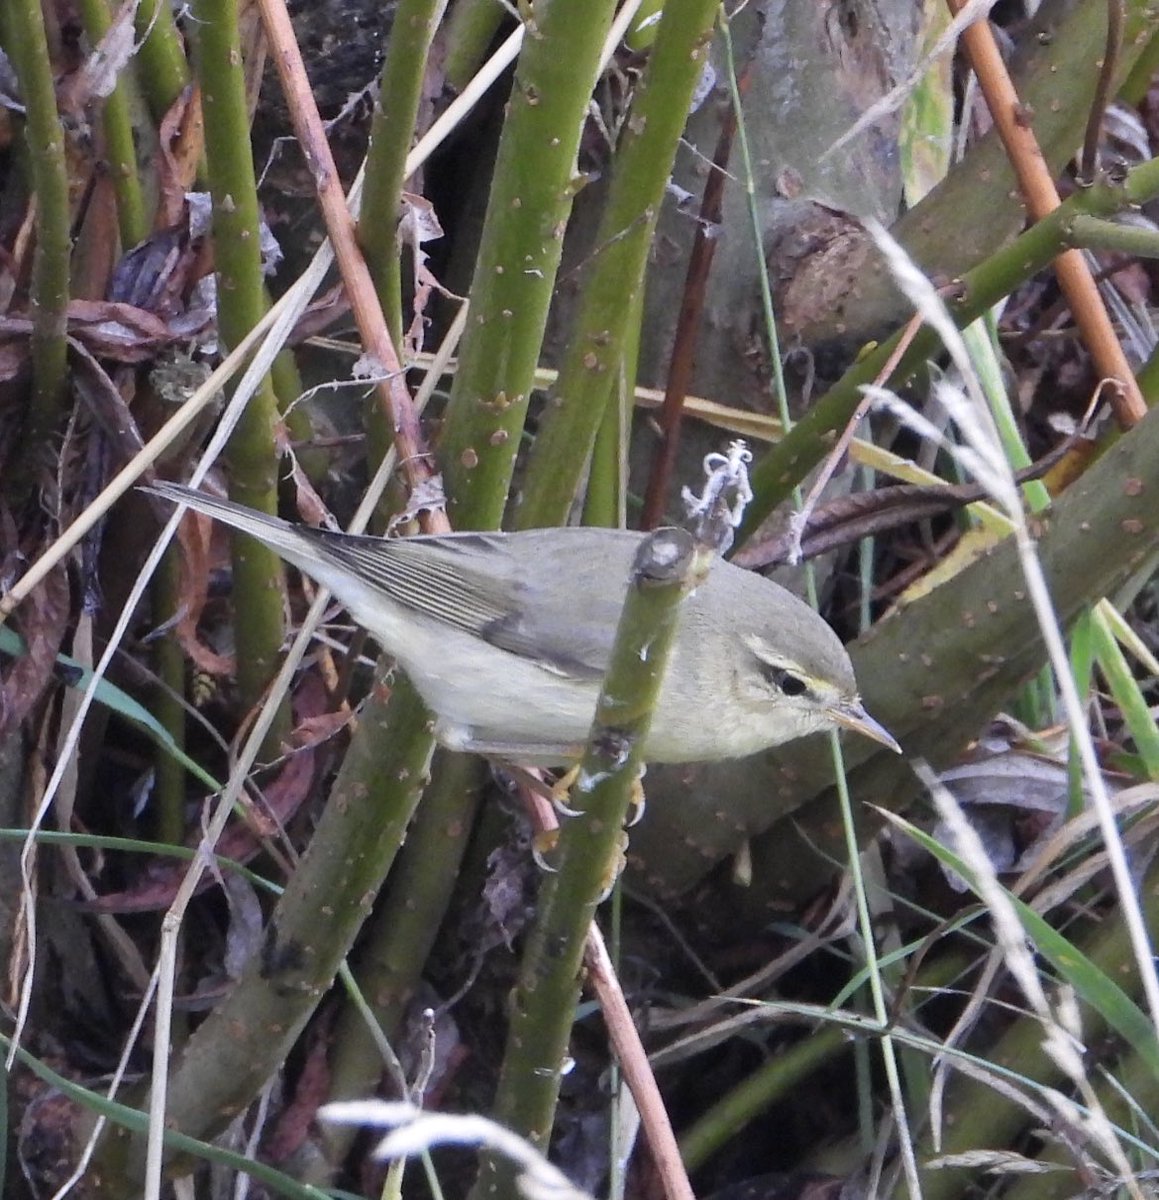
688, 323
413, 457
1089, 163
1013, 122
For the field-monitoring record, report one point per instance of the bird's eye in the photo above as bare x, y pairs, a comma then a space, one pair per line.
786, 682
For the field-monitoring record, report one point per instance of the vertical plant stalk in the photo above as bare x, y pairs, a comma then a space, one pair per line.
470, 30
1138, 80
667, 566
606, 495
241, 302
164, 70
398, 939
398, 407
120, 151
163, 74
395, 117
522, 240
616, 275
392, 130
44, 135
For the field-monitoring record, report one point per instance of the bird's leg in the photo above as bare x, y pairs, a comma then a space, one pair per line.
545, 840
561, 792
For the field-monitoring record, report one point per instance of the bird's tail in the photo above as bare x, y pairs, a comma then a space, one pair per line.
290, 542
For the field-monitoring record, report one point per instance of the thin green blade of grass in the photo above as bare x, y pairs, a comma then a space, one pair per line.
1035, 702
111, 696
123, 845
134, 1119
981, 340
1127, 637
1082, 665
1093, 986
1126, 693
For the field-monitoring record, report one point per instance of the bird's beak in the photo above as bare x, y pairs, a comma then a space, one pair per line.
852, 715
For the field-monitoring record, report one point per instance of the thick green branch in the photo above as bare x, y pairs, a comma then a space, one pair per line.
241, 301
787, 463
398, 939
595, 349
44, 135
522, 240
391, 134
164, 70
390, 141
120, 150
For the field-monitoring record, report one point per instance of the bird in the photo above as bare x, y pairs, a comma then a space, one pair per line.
507, 636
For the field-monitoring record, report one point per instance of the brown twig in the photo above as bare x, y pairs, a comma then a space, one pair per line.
1013, 122
393, 394
918, 563
816, 531
868, 514
688, 323
1089, 164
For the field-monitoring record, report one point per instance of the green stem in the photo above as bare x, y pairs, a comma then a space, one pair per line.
27, 45
791, 459
393, 128
257, 571
395, 118
667, 565
120, 151
594, 351
164, 70
399, 937
606, 494
1142, 72
1093, 233
522, 240
472, 26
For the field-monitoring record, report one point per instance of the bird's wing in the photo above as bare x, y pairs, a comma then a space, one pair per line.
426, 575
479, 584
